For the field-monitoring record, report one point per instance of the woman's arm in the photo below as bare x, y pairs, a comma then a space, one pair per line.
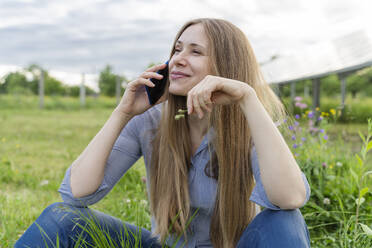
87, 171
280, 173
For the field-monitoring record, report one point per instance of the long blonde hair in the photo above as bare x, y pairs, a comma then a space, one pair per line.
231, 56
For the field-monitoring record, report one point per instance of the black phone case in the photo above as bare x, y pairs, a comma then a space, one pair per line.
154, 93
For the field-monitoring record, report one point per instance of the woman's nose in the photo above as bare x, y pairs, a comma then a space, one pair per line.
179, 58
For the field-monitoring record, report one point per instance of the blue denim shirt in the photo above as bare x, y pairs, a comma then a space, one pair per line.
133, 142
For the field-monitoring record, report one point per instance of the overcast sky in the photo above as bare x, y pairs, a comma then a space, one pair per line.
70, 37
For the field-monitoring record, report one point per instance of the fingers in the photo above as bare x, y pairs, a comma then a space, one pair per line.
157, 67
147, 74
199, 102
141, 81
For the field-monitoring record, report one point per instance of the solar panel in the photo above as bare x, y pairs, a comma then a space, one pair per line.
347, 53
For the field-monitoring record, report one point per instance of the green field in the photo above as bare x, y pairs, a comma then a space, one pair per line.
37, 146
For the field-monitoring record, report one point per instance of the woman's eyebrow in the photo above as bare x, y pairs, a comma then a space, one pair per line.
191, 44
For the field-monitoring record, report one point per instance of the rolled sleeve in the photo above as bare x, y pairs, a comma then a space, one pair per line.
258, 195
125, 152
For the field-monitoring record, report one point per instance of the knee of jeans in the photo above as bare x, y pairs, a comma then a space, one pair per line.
282, 219
59, 214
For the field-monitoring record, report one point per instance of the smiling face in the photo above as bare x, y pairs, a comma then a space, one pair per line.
190, 61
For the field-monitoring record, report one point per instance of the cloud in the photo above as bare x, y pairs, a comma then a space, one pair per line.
79, 36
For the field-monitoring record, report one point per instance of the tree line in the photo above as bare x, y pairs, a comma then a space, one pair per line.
359, 83
26, 82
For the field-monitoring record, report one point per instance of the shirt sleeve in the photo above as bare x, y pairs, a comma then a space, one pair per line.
258, 195
125, 152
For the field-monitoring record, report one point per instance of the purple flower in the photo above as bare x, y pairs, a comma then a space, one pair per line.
303, 105
290, 128
320, 118
296, 123
297, 116
311, 114
321, 130
324, 164
298, 98
295, 146
296, 154
303, 139
293, 137
285, 120
325, 137
298, 104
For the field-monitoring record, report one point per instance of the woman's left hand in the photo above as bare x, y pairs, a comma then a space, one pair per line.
215, 90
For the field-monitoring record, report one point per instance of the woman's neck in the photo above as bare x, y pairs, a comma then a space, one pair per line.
198, 127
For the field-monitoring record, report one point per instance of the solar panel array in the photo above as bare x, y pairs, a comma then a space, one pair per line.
347, 53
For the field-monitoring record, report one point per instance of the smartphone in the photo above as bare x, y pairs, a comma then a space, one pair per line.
154, 93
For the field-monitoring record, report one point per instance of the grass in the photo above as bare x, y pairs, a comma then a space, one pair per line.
37, 146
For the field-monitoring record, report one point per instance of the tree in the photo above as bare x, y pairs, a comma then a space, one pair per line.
107, 81
16, 83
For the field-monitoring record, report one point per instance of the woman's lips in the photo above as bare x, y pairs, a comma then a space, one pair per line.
178, 74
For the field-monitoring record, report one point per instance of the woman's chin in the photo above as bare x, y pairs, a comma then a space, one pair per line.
177, 91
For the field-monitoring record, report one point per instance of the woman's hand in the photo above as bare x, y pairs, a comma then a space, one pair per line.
215, 90
135, 100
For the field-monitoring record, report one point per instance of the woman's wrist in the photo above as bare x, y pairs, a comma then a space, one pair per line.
248, 96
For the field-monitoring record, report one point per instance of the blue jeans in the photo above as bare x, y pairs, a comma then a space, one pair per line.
270, 228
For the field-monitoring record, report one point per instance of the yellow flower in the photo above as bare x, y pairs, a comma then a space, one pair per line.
332, 111
331, 166
317, 109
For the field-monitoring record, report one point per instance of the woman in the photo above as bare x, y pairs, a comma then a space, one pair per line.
201, 167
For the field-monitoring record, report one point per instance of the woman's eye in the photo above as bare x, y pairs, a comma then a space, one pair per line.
195, 51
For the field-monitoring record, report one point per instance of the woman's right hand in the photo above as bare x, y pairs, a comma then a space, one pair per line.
135, 100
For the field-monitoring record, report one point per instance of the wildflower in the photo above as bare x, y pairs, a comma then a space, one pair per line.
332, 111
321, 130
298, 104
310, 115
324, 164
285, 120
44, 182
303, 105
320, 118
290, 128
326, 201
295, 146
181, 114
296, 154
339, 164
303, 139
325, 137
317, 108
331, 166
298, 98
296, 123
143, 179
297, 116
293, 137
128, 200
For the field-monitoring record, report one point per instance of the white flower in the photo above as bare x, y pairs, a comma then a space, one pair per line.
326, 201
44, 182
128, 200
339, 164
